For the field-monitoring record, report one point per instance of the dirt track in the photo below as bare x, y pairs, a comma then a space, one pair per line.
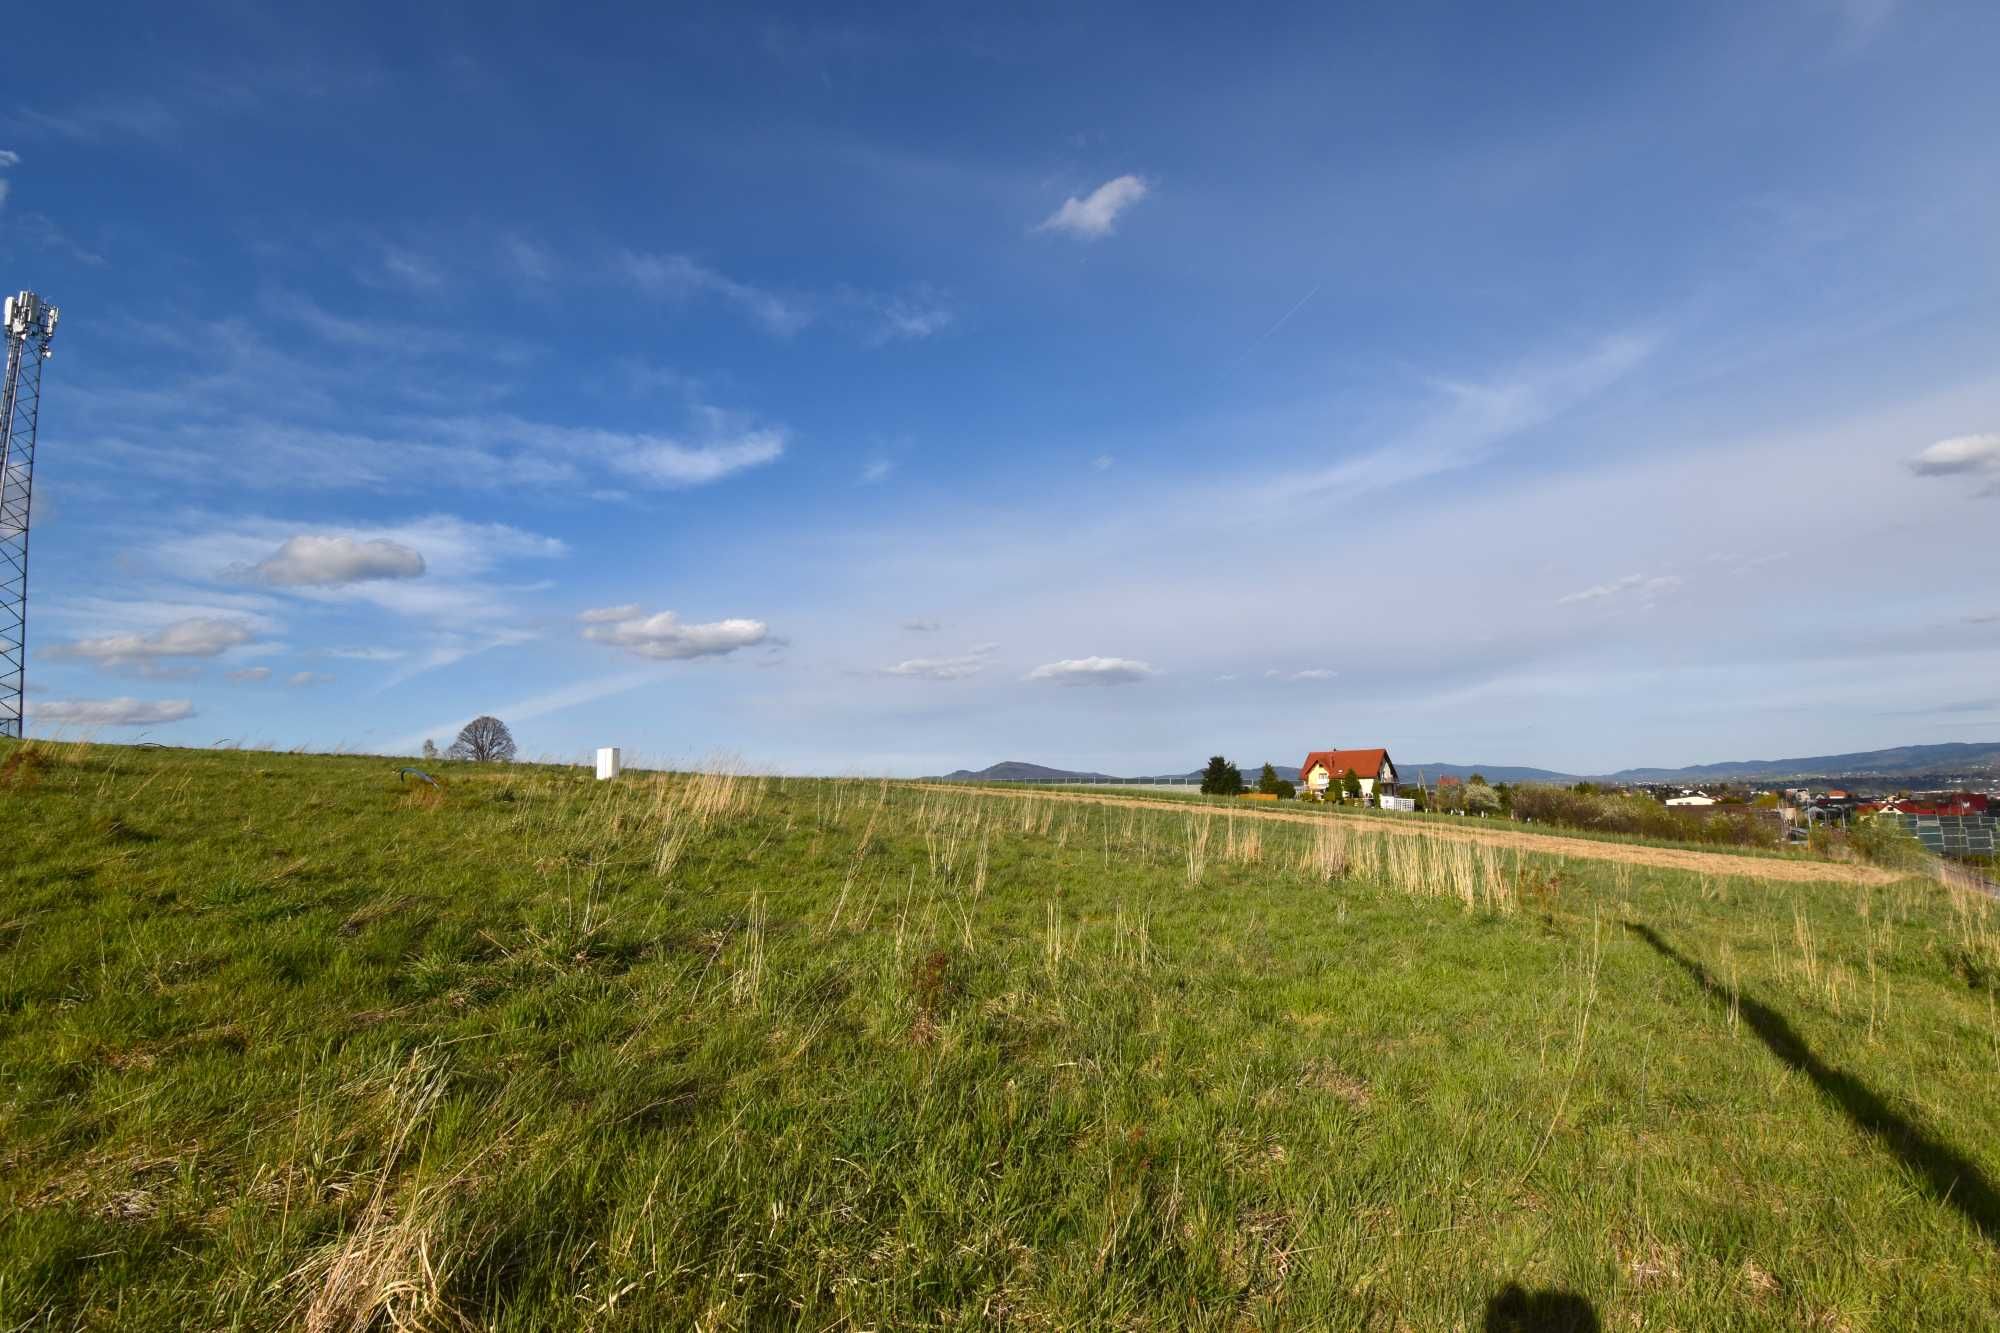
1586, 849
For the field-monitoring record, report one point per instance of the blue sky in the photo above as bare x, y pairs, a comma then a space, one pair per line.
880, 392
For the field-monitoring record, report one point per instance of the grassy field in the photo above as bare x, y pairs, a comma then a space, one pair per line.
289, 1042
1438, 818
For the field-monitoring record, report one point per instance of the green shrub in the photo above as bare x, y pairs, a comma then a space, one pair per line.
1883, 840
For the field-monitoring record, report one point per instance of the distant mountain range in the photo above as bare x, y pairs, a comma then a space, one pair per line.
1958, 759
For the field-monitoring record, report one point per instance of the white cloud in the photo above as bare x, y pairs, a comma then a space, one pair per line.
1962, 455
1102, 463
1983, 618
410, 269
250, 675
301, 679
605, 615
945, 668
41, 230
665, 638
660, 461
1093, 671
1094, 215
9, 158
1476, 417
922, 626
366, 654
1645, 589
120, 712
198, 637
229, 437
116, 117
878, 469
678, 277
911, 317
328, 561
1310, 673
456, 556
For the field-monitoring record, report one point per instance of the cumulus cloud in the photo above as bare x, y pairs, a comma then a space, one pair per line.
122, 712
945, 668
321, 562
9, 158
201, 636
1095, 214
664, 637
1640, 587
250, 675
1092, 671
1962, 455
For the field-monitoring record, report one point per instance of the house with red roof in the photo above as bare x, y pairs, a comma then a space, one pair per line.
1326, 768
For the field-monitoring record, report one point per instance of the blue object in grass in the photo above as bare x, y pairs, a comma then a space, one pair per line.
402, 773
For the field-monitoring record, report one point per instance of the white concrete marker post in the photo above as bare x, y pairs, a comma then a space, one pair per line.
607, 762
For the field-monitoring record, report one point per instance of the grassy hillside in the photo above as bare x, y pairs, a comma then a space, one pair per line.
286, 1042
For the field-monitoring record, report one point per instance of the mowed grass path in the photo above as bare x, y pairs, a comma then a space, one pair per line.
1772, 864
286, 1043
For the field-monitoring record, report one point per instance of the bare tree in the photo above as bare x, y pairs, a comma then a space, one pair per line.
483, 740
430, 749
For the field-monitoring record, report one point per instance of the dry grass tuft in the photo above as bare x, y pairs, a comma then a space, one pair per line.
1325, 1076
393, 1266
1758, 1282
22, 767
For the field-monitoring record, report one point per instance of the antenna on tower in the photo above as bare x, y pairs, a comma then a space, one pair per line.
28, 324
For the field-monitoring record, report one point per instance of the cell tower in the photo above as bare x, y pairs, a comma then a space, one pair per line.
30, 324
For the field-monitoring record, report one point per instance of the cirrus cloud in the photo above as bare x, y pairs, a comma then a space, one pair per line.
1646, 590
679, 277
329, 561
1095, 215
665, 637
1093, 671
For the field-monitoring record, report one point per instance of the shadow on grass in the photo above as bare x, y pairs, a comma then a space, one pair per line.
1516, 1310
1944, 1174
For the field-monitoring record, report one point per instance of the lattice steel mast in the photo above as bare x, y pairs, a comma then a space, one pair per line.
29, 325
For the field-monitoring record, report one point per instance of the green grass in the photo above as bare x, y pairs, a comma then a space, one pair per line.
287, 1043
